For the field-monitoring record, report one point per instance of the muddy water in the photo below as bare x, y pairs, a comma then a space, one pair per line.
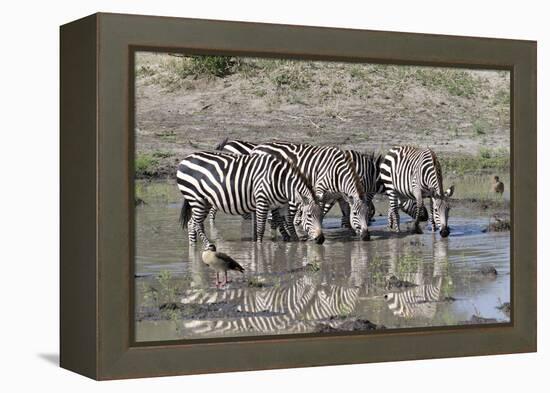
395, 280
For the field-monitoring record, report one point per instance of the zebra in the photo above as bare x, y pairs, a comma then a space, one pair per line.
332, 174
367, 167
235, 146
238, 184
413, 173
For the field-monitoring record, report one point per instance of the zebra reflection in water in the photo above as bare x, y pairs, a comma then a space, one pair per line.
421, 300
293, 307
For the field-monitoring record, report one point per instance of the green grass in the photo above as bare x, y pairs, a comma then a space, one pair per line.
485, 161
179, 72
408, 263
480, 127
456, 83
146, 164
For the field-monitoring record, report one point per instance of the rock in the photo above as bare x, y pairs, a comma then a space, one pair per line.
351, 325
488, 271
394, 282
506, 308
477, 320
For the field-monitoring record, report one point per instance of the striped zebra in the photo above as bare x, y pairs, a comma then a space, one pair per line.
238, 184
412, 173
332, 175
367, 167
236, 146
296, 307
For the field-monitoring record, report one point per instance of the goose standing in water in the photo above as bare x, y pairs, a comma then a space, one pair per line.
220, 262
498, 186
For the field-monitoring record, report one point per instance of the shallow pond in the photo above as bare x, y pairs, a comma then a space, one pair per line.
394, 280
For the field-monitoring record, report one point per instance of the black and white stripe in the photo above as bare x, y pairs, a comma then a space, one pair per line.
297, 306
412, 173
239, 184
419, 301
367, 166
332, 175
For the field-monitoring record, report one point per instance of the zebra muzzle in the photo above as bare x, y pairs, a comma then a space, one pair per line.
365, 235
320, 239
445, 232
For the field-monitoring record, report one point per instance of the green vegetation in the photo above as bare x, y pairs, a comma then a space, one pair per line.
408, 263
255, 282
145, 164
457, 83
293, 77
178, 72
480, 127
486, 161
209, 66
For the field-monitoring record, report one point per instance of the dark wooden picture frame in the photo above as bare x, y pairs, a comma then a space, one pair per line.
97, 195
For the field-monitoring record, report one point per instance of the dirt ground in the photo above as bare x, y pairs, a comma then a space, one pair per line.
456, 112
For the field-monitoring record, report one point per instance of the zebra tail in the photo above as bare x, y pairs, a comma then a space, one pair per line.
185, 214
220, 145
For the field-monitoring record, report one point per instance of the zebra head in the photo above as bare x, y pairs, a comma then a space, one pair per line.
359, 217
441, 206
310, 216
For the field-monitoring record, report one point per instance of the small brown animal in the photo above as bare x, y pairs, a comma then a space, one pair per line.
220, 262
498, 186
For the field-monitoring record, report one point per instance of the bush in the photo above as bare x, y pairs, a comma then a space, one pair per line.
145, 164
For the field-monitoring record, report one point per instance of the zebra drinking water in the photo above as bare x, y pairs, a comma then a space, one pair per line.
238, 184
367, 166
412, 173
332, 174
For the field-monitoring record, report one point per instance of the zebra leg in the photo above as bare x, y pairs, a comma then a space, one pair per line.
290, 221
273, 224
344, 207
212, 213
371, 209
261, 218
393, 212
431, 218
280, 223
198, 217
254, 227
191, 232
419, 205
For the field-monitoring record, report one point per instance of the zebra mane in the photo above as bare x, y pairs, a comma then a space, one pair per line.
438, 173
372, 156
295, 170
222, 143
355, 177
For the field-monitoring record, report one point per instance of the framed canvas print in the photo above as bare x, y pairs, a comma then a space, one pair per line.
240, 196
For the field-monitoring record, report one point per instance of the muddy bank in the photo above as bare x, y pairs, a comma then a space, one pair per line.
462, 114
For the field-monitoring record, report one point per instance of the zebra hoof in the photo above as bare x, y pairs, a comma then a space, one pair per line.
417, 231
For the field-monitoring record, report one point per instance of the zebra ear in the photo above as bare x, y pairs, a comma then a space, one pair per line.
450, 191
